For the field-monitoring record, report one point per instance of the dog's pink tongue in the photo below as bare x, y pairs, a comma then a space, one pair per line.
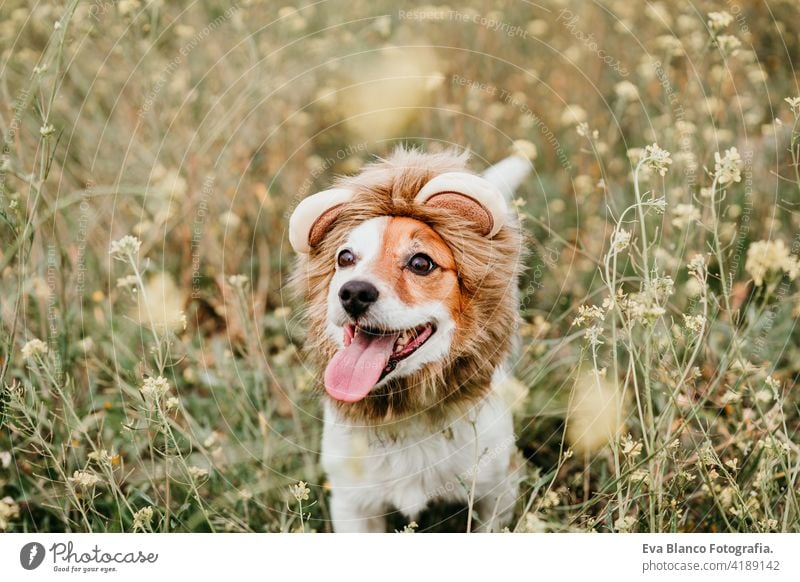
355, 369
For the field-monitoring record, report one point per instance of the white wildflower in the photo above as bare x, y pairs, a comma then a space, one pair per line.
630, 447
594, 412
589, 314
33, 348
635, 155
573, 115
525, 149
707, 455
125, 248
726, 498
238, 281
764, 395
728, 44
731, 397
626, 91
756, 74
161, 305
660, 204
697, 266
592, 334
212, 440
727, 168
86, 345
230, 220
774, 384
694, 323
657, 158
127, 282
768, 524
410, 528
745, 366
142, 518
198, 472
719, 20
300, 491
8, 510
85, 479
767, 256
662, 287
684, 215
670, 44
550, 499
620, 240
154, 388
794, 105
706, 192
771, 443
101, 457
693, 287
532, 523
641, 308
625, 524
647, 306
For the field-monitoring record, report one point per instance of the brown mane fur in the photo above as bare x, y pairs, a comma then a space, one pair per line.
488, 271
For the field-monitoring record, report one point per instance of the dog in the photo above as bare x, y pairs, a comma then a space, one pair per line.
409, 271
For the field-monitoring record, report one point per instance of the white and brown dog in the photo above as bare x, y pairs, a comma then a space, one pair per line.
409, 271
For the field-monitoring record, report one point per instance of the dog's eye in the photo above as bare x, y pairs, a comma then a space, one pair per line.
346, 258
421, 264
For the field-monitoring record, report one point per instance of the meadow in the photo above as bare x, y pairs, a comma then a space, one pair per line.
152, 375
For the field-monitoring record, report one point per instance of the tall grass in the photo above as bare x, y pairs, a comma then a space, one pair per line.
152, 373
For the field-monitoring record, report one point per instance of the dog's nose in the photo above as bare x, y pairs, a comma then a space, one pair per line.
357, 296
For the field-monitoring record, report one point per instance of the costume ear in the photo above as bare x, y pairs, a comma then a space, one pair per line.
313, 217
469, 196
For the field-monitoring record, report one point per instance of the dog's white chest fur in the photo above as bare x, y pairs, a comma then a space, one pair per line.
371, 472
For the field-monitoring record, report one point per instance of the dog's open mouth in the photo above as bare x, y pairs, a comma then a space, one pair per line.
368, 356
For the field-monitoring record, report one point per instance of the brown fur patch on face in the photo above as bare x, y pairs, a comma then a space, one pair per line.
486, 272
402, 239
